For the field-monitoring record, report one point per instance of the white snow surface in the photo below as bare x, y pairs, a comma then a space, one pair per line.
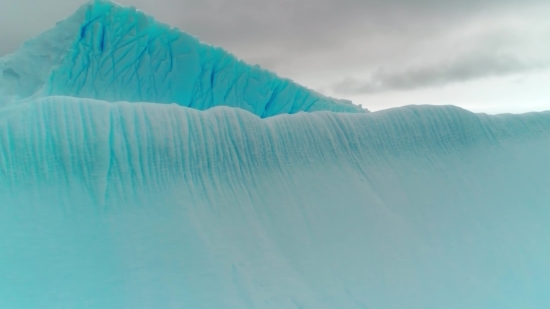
111, 202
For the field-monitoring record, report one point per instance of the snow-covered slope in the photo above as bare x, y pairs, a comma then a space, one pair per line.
109, 204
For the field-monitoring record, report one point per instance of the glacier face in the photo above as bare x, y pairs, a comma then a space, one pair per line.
112, 202
120, 205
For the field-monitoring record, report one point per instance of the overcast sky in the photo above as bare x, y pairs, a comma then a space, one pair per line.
487, 56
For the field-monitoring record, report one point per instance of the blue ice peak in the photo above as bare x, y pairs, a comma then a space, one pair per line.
115, 53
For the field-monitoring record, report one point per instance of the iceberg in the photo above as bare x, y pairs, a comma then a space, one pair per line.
109, 52
141, 168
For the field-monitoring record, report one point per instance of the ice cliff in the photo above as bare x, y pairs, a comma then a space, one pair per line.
109, 199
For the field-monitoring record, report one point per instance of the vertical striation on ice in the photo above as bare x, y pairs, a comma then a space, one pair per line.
140, 205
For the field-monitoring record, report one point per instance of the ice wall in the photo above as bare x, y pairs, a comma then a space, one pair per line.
120, 205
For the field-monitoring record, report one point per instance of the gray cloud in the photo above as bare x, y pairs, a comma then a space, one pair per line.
289, 26
335, 38
462, 68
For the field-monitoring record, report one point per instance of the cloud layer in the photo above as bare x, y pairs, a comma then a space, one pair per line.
462, 68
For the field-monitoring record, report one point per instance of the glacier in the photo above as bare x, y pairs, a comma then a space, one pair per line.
141, 168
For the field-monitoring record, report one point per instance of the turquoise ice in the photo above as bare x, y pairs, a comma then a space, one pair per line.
108, 52
127, 183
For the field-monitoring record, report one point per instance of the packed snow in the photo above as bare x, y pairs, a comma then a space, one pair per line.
141, 168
